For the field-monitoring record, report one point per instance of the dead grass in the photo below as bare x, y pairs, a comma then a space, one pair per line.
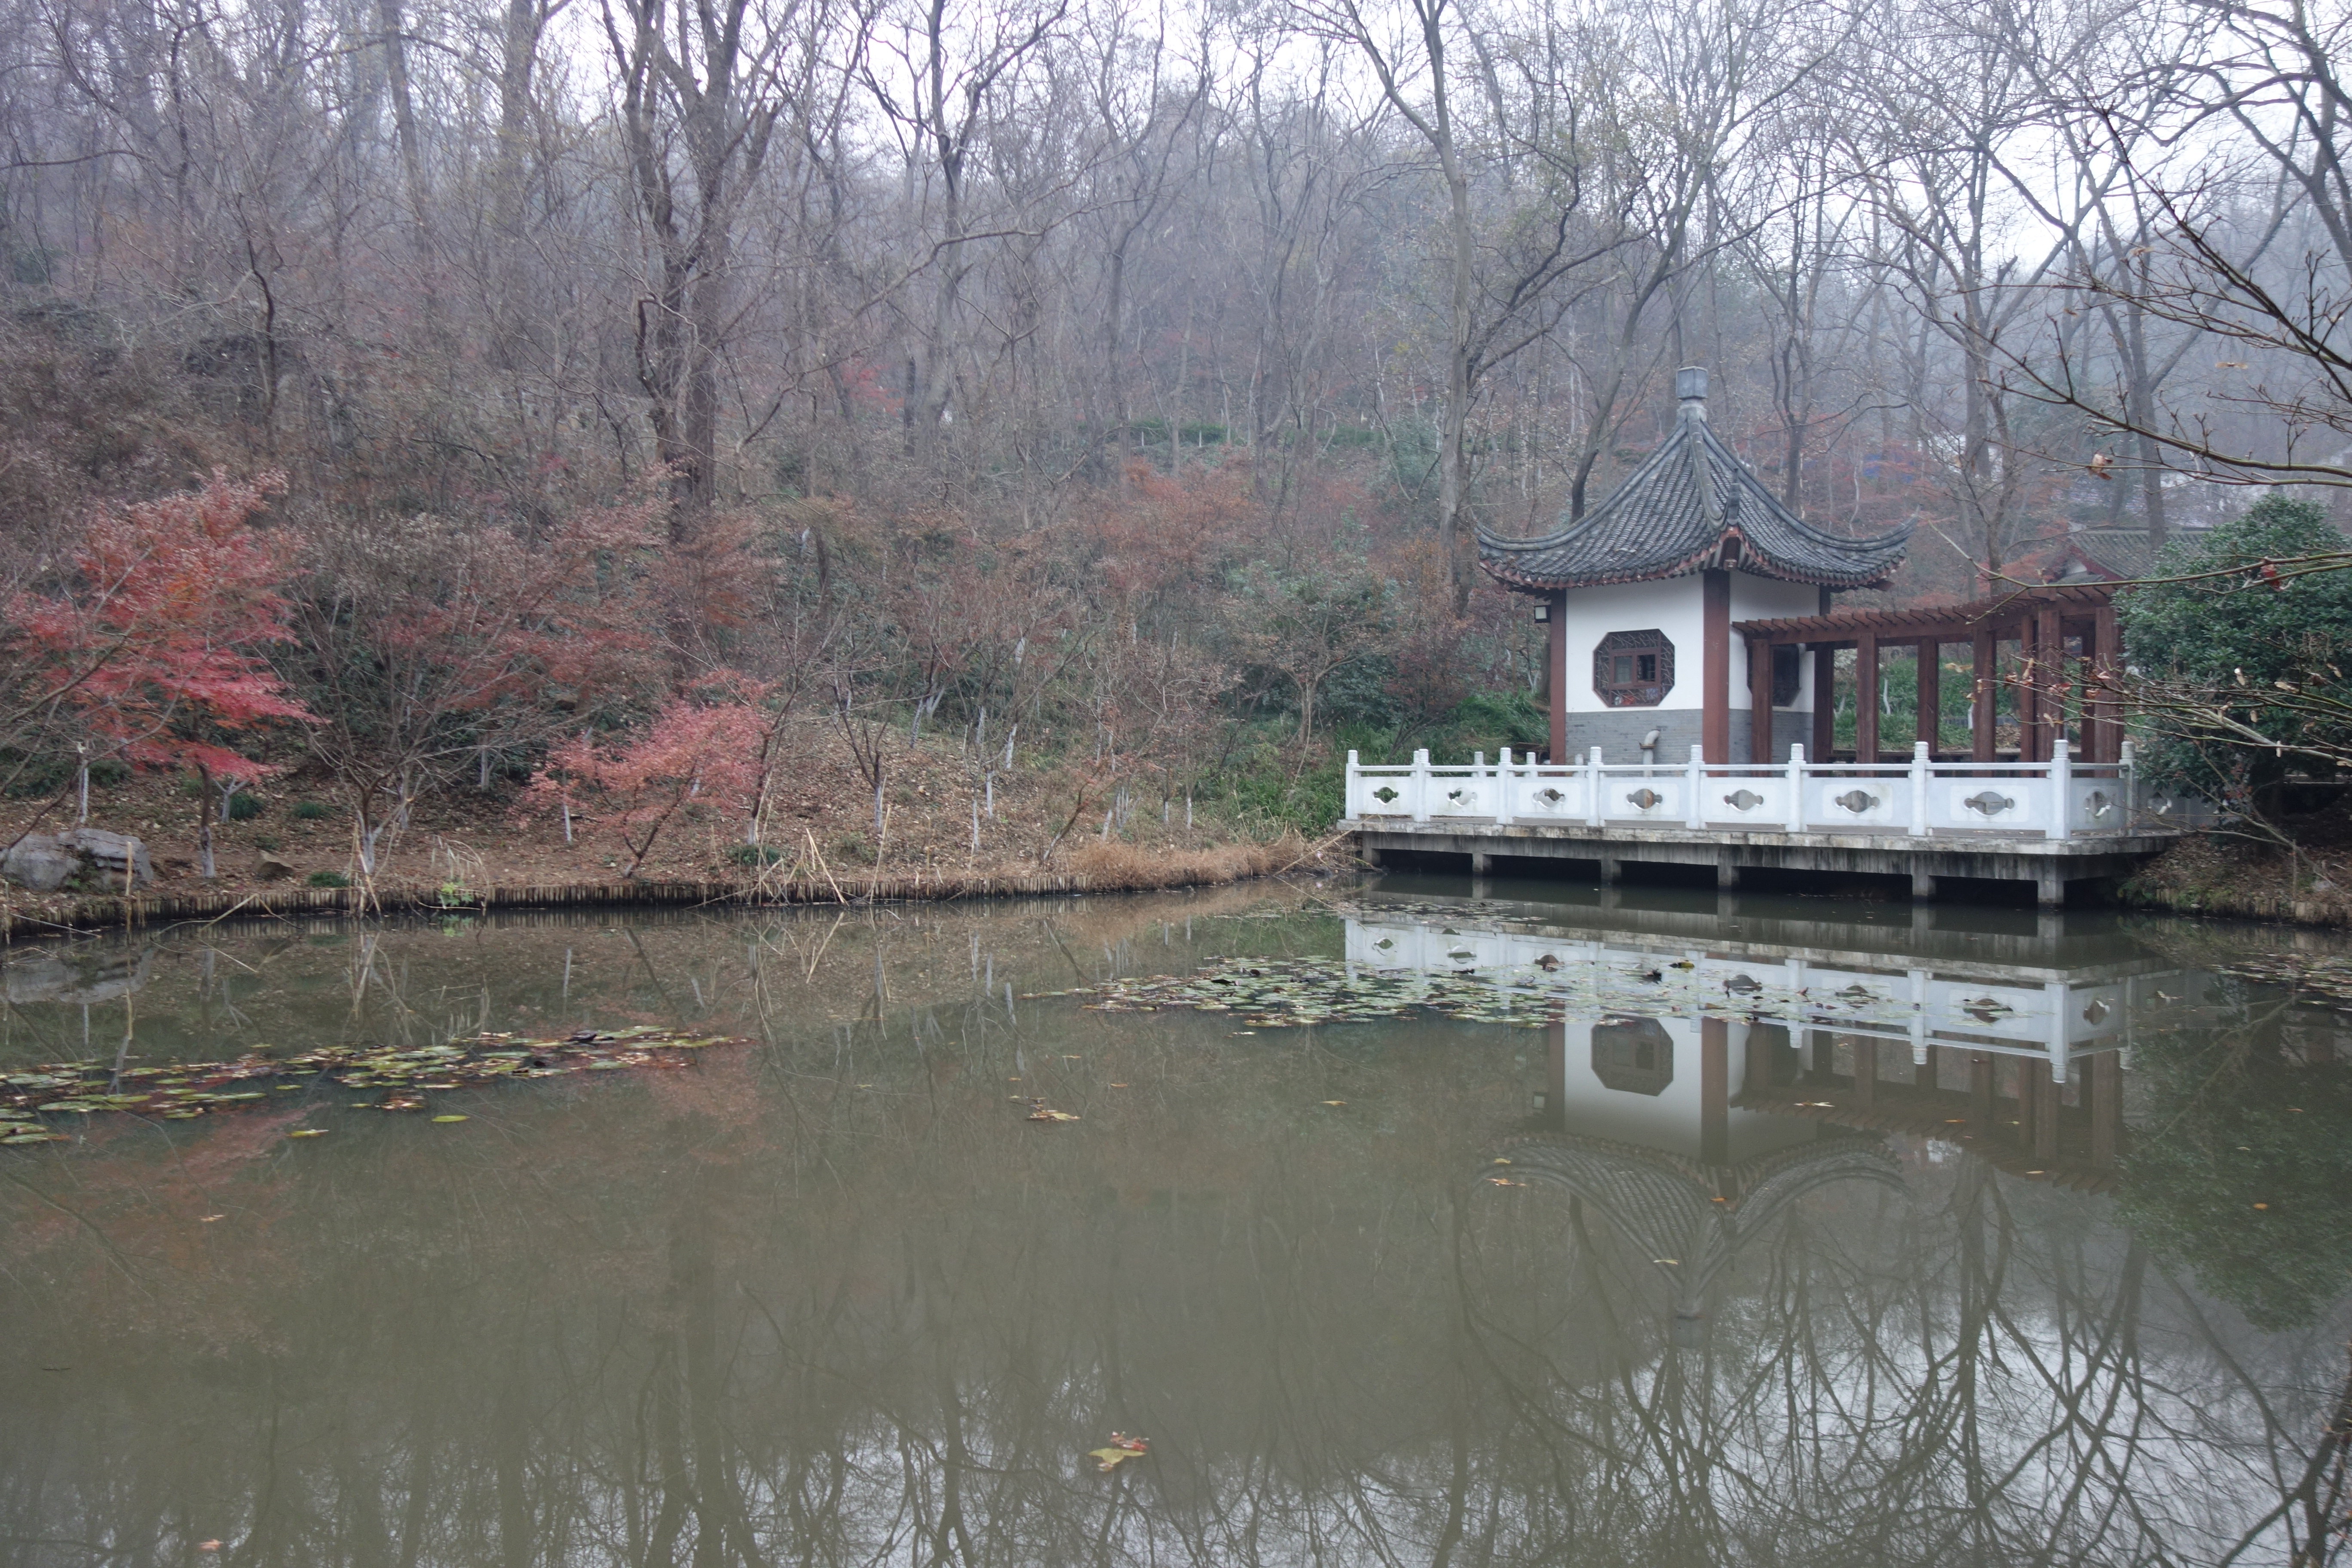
820, 829
1118, 864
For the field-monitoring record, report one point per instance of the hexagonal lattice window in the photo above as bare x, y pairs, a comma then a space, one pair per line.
1633, 670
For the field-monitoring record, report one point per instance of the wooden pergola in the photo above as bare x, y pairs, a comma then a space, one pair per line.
2051, 625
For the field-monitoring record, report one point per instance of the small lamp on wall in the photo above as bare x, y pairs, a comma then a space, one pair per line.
1543, 612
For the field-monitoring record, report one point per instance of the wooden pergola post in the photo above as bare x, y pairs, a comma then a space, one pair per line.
1865, 697
2103, 729
2049, 666
1984, 733
2027, 683
2039, 618
1930, 724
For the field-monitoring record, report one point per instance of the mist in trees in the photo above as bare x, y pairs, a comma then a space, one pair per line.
951, 362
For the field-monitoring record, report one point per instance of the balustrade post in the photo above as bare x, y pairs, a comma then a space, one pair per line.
1796, 789
1592, 790
1693, 784
2127, 781
1922, 770
1505, 782
2062, 788
1421, 784
1355, 787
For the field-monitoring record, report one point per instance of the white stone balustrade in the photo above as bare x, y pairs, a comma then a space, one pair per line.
2061, 798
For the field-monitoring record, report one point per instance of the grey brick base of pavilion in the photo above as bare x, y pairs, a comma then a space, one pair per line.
1619, 732
2048, 865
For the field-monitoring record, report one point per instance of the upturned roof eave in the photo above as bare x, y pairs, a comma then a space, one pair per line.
1751, 560
1693, 443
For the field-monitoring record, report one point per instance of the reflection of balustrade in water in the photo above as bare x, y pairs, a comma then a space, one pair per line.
2061, 798
2041, 1016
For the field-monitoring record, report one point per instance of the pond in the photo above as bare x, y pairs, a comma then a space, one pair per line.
1403, 1226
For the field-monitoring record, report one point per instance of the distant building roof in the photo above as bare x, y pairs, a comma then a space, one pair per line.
1691, 504
2093, 555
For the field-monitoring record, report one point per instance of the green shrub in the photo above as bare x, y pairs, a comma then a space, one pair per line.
244, 807
2225, 634
330, 879
310, 811
756, 855
850, 847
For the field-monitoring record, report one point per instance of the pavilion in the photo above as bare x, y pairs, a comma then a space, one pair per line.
1693, 553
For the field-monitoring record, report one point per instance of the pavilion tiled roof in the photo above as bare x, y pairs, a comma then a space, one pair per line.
1691, 504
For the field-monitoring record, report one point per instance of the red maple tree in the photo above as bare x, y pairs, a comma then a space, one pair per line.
155, 645
708, 748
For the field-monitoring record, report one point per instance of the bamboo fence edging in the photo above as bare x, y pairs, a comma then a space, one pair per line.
99, 913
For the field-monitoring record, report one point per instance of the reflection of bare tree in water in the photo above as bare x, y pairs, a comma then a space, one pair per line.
1885, 1386
758, 1314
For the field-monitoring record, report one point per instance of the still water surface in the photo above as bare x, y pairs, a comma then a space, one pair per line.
1701, 1233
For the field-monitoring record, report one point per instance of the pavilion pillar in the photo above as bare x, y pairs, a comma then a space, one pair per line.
2107, 1096
1714, 654
1556, 676
1984, 735
1714, 1091
1759, 701
1757, 1076
1824, 740
1865, 697
2045, 1112
1930, 724
1555, 1105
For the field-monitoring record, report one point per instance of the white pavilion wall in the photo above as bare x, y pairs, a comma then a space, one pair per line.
1674, 606
1674, 1118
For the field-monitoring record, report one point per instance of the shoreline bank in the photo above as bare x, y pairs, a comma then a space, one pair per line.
98, 913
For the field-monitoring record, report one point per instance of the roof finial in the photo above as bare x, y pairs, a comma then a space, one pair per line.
1690, 386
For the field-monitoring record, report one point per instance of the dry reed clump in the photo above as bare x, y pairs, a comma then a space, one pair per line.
1120, 865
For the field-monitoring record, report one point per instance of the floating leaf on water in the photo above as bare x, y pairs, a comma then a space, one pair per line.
308, 1132
449, 1118
1335, 1102
1042, 1114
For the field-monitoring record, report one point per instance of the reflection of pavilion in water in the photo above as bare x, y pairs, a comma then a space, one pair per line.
1694, 1092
